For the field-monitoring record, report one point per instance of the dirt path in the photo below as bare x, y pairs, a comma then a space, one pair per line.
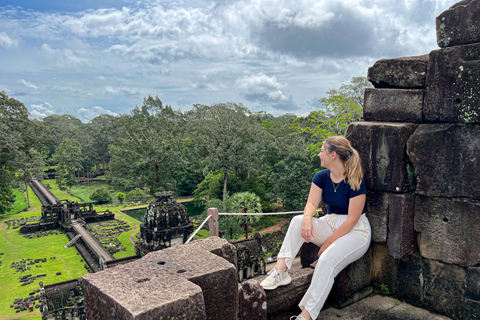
276, 227
19, 245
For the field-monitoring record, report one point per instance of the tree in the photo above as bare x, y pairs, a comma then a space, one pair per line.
339, 109
29, 166
18, 135
136, 194
120, 197
291, 180
69, 158
104, 133
147, 149
101, 195
246, 202
227, 138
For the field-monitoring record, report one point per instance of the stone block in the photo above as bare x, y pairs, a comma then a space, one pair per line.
393, 105
404, 72
384, 269
252, 301
410, 280
401, 234
285, 297
444, 288
445, 159
459, 24
382, 148
182, 281
448, 229
218, 246
308, 253
473, 283
453, 79
376, 211
354, 278
471, 310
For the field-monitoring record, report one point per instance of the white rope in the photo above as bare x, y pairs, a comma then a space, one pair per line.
200, 227
260, 213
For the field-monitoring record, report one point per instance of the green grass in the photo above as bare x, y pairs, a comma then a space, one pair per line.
20, 203
46, 247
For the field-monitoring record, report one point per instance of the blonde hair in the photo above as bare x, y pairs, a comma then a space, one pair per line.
350, 157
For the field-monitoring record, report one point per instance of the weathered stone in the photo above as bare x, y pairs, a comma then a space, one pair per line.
444, 288
401, 234
445, 162
404, 72
377, 214
308, 253
384, 269
473, 283
217, 246
410, 280
354, 278
382, 148
448, 229
459, 24
285, 297
471, 310
252, 301
453, 79
164, 284
395, 105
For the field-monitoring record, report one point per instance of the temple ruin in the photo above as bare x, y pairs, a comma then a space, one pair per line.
166, 224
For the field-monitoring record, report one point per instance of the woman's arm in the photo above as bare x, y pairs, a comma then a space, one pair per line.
355, 208
314, 198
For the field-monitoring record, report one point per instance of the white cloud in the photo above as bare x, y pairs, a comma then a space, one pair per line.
7, 42
64, 58
120, 90
41, 110
28, 84
88, 114
203, 82
260, 87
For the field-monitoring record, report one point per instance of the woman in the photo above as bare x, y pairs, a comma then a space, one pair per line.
343, 235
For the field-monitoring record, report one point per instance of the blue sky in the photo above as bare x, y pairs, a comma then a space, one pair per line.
90, 57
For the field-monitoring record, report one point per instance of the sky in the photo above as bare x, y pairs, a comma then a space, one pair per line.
86, 58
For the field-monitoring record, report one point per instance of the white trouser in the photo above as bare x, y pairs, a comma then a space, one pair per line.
338, 255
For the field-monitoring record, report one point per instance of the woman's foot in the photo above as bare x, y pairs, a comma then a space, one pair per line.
275, 279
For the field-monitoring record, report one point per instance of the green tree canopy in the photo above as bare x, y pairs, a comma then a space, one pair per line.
69, 158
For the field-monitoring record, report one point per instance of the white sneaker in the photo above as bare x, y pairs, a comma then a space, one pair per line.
275, 279
299, 317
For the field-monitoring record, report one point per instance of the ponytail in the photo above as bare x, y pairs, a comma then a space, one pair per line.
353, 174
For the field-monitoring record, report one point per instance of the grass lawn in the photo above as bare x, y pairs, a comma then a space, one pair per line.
19, 204
15, 248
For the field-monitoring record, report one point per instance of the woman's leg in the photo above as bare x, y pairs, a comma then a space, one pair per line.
338, 255
293, 239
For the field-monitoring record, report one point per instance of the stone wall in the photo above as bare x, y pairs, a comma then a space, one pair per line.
419, 145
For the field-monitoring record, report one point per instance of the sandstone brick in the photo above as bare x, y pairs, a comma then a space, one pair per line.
252, 301
459, 24
444, 288
393, 105
471, 310
376, 211
382, 148
401, 234
453, 79
151, 287
445, 158
217, 246
410, 280
404, 72
384, 269
448, 229
473, 283
285, 297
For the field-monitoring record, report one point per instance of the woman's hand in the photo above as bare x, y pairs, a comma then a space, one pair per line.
324, 246
307, 229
